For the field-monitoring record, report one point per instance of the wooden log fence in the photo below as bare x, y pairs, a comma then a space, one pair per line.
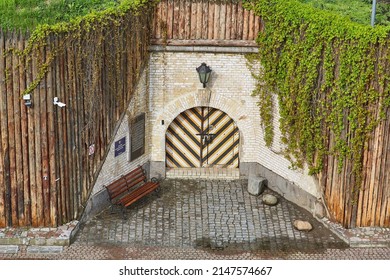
46, 170
204, 22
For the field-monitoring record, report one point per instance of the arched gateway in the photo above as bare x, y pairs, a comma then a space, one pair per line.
202, 137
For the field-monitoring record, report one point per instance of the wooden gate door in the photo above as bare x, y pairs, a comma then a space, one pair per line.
202, 137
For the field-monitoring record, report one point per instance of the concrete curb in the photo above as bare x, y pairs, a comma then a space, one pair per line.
364, 237
60, 236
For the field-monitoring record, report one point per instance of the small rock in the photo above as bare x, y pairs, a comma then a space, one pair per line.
303, 225
270, 200
256, 184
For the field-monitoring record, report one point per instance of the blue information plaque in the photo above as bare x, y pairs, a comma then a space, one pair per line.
120, 146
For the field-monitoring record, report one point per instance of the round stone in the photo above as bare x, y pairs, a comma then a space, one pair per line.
270, 200
302, 225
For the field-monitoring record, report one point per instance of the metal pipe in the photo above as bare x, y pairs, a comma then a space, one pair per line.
373, 12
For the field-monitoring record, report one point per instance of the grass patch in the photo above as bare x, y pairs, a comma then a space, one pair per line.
27, 14
357, 10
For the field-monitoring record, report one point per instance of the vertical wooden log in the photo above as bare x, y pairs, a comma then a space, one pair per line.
228, 27
240, 21
71, 196
35, 131
210, 26
65, 115
25, 144
373, 180
52, 137
233, 29
222, 20
378, 160
251, 26
217, 22
336, 192
40, 107
257, 27
245, 31
44, 155
348, 201
104, 89
381, 174
59, 122
79, 95
163, 20
205, 19
199, 21
384, 211
193, 19
182, 19
187, 23
362, 187
31, 112
346, 197
3, 135
157, 21
19, 207
329, 171
170, 17
10, 42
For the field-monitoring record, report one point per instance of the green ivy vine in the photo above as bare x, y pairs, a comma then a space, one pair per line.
331, 79
74, 30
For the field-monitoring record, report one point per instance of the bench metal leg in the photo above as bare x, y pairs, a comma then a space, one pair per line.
123, 212
158, 192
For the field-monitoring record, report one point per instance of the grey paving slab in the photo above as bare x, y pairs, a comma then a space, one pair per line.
9, 249
44, 249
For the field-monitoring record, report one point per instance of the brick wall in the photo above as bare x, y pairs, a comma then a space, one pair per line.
170, 85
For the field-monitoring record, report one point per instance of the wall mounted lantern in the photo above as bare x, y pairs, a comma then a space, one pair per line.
204, 72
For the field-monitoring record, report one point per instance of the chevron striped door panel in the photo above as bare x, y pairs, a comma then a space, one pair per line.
182, 143
221, 148
202, 137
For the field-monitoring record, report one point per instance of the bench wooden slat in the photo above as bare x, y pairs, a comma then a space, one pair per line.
130, 188
121, 185
117, 188
139, 193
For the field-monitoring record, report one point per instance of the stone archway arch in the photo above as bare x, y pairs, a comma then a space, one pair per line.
202, 137
237, 111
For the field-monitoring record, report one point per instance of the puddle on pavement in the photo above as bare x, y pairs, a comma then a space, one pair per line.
283, 244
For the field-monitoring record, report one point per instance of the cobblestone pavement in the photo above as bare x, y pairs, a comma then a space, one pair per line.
200, 219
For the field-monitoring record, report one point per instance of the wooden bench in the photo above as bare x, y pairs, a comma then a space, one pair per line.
129, 188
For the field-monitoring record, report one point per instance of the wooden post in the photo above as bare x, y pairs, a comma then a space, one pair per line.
17, 95
205, 19
199, 21
170, 17
51, 137
38, 139
240, 21
3, 136
217, 22
187, 19
222, 19
44, 144
23, 70
193, 19
229, 19
210, 26
11, 183
233, 31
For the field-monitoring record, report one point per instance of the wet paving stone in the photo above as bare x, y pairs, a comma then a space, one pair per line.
211, 216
